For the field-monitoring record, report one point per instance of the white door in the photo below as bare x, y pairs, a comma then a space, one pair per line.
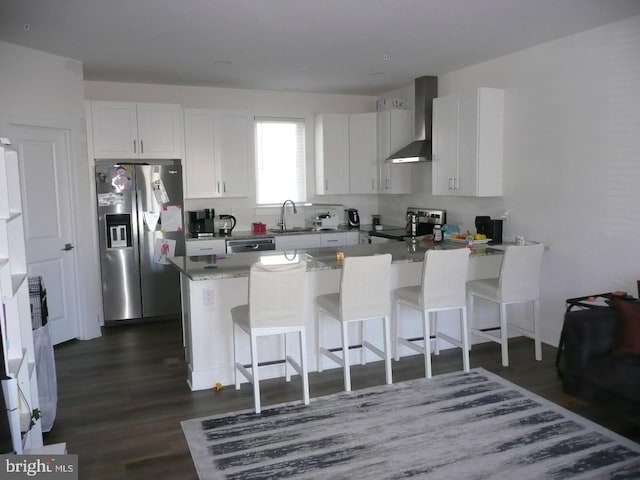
43, 155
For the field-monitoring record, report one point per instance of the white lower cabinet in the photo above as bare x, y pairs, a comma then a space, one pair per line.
352, 238
316, 240
292, 242
332, 239
205, 247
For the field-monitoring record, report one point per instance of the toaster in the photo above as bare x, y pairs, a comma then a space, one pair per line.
326, 221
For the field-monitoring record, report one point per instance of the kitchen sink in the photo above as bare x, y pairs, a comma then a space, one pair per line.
292, 229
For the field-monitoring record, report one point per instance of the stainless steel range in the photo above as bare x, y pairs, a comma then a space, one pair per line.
427, 218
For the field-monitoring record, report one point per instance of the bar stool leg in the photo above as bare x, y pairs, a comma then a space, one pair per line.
396, 324
387, 350
426, 330
504, 336
465, 339
536, 329
287, 371
436, 342
318, 339
363, 357
236, 377
254, 373
345, 358
303, 365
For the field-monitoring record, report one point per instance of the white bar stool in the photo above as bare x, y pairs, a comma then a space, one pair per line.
364, 295
519, 282
444, 274
276, 307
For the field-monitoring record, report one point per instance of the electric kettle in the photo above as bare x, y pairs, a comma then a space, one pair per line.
226, 224
353, 217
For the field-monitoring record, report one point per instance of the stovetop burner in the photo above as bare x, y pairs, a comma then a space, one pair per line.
427, 218
391, 233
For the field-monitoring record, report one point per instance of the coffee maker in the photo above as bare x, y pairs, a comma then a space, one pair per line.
490, 227
201, 223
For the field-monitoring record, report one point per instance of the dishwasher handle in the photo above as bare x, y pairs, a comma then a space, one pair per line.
251, 245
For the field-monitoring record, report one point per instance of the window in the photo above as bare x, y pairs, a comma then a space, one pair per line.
280, 160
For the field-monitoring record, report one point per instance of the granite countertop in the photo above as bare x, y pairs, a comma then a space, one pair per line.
213, 267
242, 235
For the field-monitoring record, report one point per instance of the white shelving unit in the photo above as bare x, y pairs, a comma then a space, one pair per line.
15, 315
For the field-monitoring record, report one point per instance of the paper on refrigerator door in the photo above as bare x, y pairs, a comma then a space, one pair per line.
151, 219
171, 218
160, 192
163, 250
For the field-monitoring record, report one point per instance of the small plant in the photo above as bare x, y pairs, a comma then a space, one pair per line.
35, 416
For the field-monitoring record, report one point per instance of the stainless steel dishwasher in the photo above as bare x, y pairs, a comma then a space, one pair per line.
251, 245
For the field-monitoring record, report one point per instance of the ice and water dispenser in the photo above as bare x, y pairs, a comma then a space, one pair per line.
118, 230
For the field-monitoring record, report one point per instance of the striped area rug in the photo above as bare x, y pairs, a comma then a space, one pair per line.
455, 426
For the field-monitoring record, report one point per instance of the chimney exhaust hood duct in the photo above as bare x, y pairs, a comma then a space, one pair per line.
419, 150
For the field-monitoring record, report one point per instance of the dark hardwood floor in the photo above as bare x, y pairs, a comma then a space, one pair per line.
121, 397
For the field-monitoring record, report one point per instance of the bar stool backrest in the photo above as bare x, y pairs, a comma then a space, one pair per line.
277, 295
520, 273
365, 287
444, 277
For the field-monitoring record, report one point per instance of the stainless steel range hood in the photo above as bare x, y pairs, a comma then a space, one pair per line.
419, 150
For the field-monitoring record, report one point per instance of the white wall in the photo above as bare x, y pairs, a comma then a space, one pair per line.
258, 102
572, 160
48, 89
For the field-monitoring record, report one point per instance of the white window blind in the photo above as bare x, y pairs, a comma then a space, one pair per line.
280, 160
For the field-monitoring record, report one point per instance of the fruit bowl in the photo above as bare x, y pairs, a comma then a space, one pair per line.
484, 241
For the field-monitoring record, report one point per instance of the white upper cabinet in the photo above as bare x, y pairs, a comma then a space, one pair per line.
363, 153
124, 130
394, 132
468, 132
346, 153
332, 154
218, 149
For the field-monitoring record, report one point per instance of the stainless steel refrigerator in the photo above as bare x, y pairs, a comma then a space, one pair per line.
140, 225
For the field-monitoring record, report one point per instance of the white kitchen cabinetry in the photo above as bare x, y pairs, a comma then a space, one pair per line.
219, 147
125, 130
363, 153
346, 153
292, 242
15, 314
468, 132
352, 238
206, 247
337, 239
332, 154
316, 240
394, 132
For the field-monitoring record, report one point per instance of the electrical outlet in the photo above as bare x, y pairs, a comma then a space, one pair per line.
505, 216
207, 296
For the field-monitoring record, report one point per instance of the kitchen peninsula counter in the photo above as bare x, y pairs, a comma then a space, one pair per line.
212, 285
214, 267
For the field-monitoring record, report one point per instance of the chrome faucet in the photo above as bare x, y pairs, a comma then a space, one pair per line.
283, 224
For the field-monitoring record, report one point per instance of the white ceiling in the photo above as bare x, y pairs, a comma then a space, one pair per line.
329, 46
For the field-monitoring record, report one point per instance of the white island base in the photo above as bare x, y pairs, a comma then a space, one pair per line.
208, 335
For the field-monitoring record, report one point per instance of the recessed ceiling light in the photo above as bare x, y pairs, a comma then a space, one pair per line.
385, 57
27, 27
